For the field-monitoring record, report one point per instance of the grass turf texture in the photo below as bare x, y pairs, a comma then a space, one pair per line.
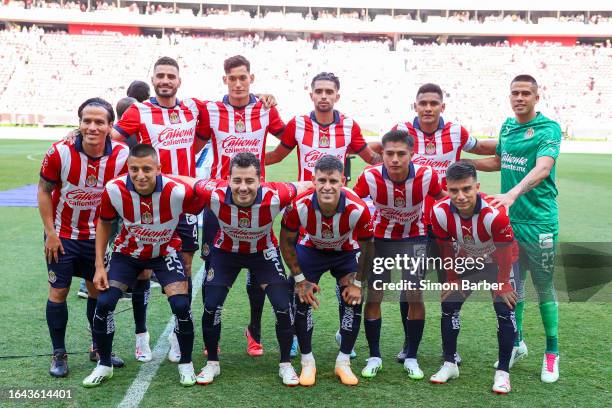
245, 381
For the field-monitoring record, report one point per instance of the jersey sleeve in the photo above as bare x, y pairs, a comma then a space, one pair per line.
364, 229
107, 211
438, 230
276, 124
129, 124
550, 142
286, 192
203, 190
468, 142
361, 187
291, 219
503, 237
51, 168
357, 141
288, 139
203, 130
434, 186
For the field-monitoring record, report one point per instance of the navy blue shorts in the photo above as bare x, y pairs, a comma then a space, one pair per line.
210, 227
315, 262
187, 230
266, 268
79, 260
124, 269
414, 248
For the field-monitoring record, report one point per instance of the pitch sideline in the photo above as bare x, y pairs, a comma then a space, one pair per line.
147, 372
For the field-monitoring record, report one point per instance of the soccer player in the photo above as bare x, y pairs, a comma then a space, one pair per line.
246, 208
334, 226
437, 143
398, 188
138, 90
526, 154
149, 205
323, 131
483, 234
239, 123
72, 179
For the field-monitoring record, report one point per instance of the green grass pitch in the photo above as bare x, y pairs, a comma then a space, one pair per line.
585, 194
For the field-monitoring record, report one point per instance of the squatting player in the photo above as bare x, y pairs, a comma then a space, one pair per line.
150, 205
398, 188
334, 226
438, 144
480, 232
72, 178
526, 154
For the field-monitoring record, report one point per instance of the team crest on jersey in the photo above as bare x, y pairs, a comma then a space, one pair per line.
205, 249
529, 133
399, 201
546, 241
174, 118
240, 126
324, 141
210, 275
52, 277
430, 148
147, 218
91, 181
468, 239
244, 222
327, 234
51, 151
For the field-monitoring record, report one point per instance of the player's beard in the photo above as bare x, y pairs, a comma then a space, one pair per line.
166, 94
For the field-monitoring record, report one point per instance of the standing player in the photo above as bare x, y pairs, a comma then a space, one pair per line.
526, 154
240, 123
483, 234
398, 189
245, 208
334, 227
149, 205
72, 179
437, 144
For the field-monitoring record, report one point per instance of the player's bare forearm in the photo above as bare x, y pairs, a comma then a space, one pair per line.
365, 258
441, 194
103, 232
485, 147
45, 205
287, 247
369, 156
487, 164
302, 186
115, 135
199, 144
276, 155
541, 170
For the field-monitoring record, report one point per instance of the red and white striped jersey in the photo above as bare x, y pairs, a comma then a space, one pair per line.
235, 130
487, 234
399, 206
438, 150
340, 232
79, 181
149, 222
314, 140
171, 131
245, 229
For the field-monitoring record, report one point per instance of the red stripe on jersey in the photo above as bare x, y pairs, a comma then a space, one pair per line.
255, 117
188, 114
182, 158
340, 136
111, 163
308, 132
128, 205
165, 209
165, 159
83, 224
74, 175
483, 235
447, 142
417, 186
157, 115
65, 227
223, 118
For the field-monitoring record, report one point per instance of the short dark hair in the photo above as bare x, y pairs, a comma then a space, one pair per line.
398, 136
143, 150
326, 76
461, 170
525, 78
97, 102
123, 104
235, 62
329, 164
430, 88
167, 61
244, 160
139, 90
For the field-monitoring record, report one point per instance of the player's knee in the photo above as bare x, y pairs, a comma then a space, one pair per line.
180, 305
451, 309
108, 299
372, 310
58, 295
104, 321
505, 315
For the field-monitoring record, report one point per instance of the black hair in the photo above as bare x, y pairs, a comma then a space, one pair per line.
326, 76
525, 78
143, 150
461, 170
123, 104
167, 61
138, 90
235, 62
430, 88
329, 164
244, 160
97, 102
398, 136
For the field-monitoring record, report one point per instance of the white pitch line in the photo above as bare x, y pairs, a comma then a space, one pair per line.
140, 385
31, 157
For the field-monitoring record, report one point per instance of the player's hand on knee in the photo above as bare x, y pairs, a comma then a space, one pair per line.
53, 247
509, 298
101, 279
306, 293
352, 295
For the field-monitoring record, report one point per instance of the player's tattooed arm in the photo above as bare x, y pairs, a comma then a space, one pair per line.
305, 290
541, 170
370, 156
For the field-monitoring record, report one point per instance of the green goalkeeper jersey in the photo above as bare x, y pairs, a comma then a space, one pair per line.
519, 146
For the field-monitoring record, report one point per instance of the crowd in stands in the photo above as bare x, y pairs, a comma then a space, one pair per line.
52, 73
